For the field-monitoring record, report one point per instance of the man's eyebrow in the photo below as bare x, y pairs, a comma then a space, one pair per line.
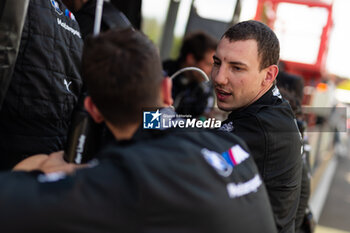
232, 62
237, 63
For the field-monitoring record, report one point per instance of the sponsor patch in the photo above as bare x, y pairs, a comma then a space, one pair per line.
217, 162
51, 177
69, 14
56, 6
67, 84
68, 28
235, 155
276, 92
241, 189
227, 127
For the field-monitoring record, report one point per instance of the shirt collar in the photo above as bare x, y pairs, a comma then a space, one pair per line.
271, 97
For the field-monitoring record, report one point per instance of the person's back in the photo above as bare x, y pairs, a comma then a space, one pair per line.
189, 186
45, 84
147, 184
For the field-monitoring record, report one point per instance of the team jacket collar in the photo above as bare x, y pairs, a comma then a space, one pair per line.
271, 97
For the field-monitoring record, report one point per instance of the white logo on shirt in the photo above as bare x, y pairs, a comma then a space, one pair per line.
227, 127
241, 189
67, 84
276, 92
68, 28
51, 177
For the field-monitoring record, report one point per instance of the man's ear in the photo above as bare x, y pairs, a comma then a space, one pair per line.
271, 74
166, 91
93, 110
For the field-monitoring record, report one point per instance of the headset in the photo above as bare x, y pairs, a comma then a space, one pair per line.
196, 99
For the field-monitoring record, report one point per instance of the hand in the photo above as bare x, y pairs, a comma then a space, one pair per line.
31, 163
48, 164
56, 163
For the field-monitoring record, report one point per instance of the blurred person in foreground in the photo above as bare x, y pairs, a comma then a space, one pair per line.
142, 182
243, 74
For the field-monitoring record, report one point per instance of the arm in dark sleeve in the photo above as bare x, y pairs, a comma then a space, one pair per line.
97, 199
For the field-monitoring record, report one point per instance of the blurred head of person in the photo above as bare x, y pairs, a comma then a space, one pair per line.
292, 89
197, 50
245, 64
292, 83
123, 73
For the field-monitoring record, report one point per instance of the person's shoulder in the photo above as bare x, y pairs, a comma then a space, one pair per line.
243, 121
273, 116
272, 119
180, 148
211, 139
207, 135
227, 136
173, 141
278, 112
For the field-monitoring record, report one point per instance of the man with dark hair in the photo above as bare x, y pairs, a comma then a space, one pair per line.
197, 50
244, 72
139, 87
146, 181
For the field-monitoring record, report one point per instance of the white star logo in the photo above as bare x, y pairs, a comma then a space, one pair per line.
156, 115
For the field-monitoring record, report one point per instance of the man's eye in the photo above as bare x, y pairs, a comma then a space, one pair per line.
237, 68
216, 63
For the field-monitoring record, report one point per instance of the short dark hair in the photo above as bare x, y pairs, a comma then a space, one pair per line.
267, 41
197, 43
123, 73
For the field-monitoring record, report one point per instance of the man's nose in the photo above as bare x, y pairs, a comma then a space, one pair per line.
219, 76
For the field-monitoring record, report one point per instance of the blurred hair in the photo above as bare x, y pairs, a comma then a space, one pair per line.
268, 44
198, 44
292, 83
123, 73
293, 101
